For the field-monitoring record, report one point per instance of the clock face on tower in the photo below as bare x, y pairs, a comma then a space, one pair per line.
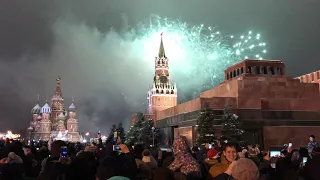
163, 79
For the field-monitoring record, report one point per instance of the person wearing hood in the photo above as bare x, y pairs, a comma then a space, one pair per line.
229, 155
12, 167
183, 159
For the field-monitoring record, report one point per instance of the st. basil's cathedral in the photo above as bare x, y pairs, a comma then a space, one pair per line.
54, 122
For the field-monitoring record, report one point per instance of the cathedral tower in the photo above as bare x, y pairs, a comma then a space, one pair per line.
57, 105
163, 94
45, 123
72, 123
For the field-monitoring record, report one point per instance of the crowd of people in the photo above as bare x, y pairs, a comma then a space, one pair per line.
113, 160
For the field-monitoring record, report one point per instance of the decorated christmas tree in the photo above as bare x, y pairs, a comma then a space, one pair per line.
205, 128
134, 133
231, 126
121, 132
149, 135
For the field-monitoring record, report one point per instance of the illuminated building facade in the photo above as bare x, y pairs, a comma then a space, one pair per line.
53, 121
163, 92
274, 108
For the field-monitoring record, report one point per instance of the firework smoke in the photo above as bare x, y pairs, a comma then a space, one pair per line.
108, 73
198, 54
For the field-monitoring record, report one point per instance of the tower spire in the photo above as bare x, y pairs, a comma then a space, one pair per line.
58, 89
38, 98
161, 49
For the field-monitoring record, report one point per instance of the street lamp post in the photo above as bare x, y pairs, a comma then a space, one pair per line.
152, 136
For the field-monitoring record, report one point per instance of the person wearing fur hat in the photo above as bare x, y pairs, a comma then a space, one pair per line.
242, 169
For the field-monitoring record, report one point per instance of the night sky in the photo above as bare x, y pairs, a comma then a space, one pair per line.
41, 39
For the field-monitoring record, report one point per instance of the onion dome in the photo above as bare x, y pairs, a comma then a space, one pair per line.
36, 109
72, 106
39, 118
61, 117
46, 109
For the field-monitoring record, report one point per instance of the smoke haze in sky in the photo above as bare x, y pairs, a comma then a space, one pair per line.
42, 39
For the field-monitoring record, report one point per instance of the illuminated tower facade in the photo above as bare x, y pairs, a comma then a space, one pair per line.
45, 123
163, 93
57, 105
72, 123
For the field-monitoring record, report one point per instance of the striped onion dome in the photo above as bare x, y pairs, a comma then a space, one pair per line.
36, 109
46, 109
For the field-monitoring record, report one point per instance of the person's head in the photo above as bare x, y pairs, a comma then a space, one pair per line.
27, 150
312, 137
212, 154
107, 168
230, 151
146, 152
56, 148
245, 169
241, 155
195, 149
163, 173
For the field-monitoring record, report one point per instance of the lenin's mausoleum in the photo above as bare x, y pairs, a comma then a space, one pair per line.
275, 108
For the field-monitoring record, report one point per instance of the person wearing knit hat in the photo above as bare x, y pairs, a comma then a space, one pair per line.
245, 169
212, 157
212, 154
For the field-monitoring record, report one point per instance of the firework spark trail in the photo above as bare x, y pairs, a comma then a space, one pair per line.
198, 54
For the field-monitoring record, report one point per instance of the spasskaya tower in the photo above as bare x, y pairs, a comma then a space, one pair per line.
163, 94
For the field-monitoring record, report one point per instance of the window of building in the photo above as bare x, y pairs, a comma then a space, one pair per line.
258, 69
265, 70
312, 76
272, 70
278, 72
318, 74
227, 76
238, 72
231, 75
241, 70
249, 70
234, 73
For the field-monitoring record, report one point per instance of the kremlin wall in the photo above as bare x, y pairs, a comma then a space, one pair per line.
275, 108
